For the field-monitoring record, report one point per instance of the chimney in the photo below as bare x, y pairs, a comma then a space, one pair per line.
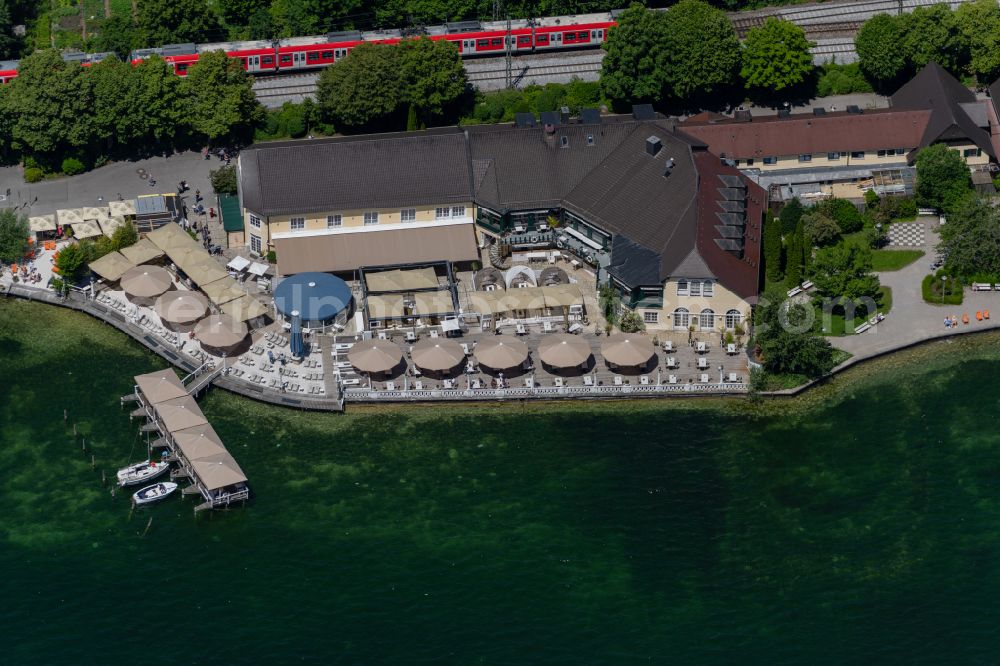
653, 145
564, 115
550, 129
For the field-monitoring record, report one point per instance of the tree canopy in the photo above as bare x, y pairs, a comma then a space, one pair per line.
784, 338
631, 71
178, 21
979, 23
433, 76
13, 235
880, 53
845, 271
776, 56
820, 229
971, 239
362, 89
703, 52
220, 97
943, 177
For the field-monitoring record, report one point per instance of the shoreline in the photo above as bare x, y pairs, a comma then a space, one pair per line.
86, 306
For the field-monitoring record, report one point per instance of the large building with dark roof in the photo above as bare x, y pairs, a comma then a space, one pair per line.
675, 229
845, 152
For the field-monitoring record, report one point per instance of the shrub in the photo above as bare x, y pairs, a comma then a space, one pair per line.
33, 175
272, 257
790, 215
72, 166
907, 207
931, 289
844, 213
841, 80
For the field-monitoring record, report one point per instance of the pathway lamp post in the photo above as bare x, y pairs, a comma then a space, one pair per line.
944, 284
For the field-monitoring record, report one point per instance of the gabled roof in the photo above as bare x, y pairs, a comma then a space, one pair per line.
935, 89
345, 173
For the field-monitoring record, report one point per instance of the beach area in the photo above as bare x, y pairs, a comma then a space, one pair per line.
854, 522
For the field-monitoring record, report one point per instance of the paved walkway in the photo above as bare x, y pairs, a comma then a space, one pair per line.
911, 320
98, 187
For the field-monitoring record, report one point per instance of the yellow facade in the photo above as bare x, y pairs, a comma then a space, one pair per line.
356, 218
822, 160
720, 302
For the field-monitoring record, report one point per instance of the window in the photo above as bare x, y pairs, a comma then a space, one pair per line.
733, 318
682, 287
682, 318
542, 39
706, 321
313, 55
286, 57
442, 213
901, 151
881, 153
582, 36
524, 39
695, 288
570, 37
458, 211
496, 42
334, 221
750, 162
770, 160
268, 60
255, 243
483, 43
255, 222
708, 288
972, 152
857, 154
408, 215
298, 223
651, 317
590, 139
564, 141
371, 218
833, 156
327, 55
805, 157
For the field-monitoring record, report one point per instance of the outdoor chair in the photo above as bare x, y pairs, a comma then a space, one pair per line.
559, 382
588, 380
644, 379
704, 378
618, 380
734, 378
547, 326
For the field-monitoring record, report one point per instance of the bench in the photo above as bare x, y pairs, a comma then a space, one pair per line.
861, 329
982, 286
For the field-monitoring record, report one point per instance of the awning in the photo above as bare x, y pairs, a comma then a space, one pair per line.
563, 350
258, 269
348, 251
218, 471
202, 268
524, 299
582, 238
245, 308
562, 295
121, 208
501, 353
481, 303
180, 413
427, 303
401, 280
161, 385
222, 291
42, 223
181, 306
94, 213
296, 343
628, 349
170, 238
238, 263
438, 354
69, 216
86, 229
199, 442
221, 333
110, 225
141, 252
111, 266
385, 306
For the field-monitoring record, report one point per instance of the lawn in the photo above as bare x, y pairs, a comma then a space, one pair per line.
782, 381
833, 324
893, 260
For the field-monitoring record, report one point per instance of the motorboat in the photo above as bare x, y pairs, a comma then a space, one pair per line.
141, 472
153, 493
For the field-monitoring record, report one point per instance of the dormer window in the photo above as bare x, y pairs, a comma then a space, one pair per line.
682, 288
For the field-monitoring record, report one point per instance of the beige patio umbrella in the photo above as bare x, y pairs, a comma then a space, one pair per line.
42, 223
563, 350
69, 216
627, 349
86, 229
146, 281
438, 354
220, 333
501, 354
122, 208
375, 356
200, 441
94, 213
181, 307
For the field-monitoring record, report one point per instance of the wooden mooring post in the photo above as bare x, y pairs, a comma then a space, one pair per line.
148, 525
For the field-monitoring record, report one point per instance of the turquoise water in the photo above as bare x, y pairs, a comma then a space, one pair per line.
858, 523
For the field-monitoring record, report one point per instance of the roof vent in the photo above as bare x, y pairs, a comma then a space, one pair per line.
854, 108
668, 168
564, 141
784, 113
590, 139
564, 115
743, 115
653, 145
550, 128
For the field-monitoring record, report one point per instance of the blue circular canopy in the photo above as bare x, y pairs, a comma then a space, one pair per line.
315, 297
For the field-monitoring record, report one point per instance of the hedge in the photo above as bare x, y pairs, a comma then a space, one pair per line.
932, 284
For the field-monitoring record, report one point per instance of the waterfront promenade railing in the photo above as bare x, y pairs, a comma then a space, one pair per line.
550, 392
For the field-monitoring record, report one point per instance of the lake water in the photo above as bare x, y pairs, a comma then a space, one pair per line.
855, 524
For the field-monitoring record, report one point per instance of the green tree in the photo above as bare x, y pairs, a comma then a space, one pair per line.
844, 213
117, 34
239, 12
115, 103
10, 44
363, 89
943, 177
220, 100
880, 55
845, 271
979, 23
51, 102
124, 236
632, 69
224, 180
13, 235
793, 255
177, 21
776, 56
971, 239
784, 338
790, 215
820, 229
772, 249
71, 262
702, 55
160, 114
6, 125
433, 76
933, 34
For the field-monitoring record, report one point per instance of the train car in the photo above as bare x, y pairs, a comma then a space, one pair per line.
8, 71
87, 59
255, 56
180, 57
302, 53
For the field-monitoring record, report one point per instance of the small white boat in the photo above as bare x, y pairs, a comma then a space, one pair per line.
153, 493
141, 472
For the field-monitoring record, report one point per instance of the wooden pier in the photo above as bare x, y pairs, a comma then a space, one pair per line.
192, 443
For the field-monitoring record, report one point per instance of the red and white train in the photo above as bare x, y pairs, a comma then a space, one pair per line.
472, 38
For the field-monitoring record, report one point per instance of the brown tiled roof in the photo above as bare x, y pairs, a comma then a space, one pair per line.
839, 132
